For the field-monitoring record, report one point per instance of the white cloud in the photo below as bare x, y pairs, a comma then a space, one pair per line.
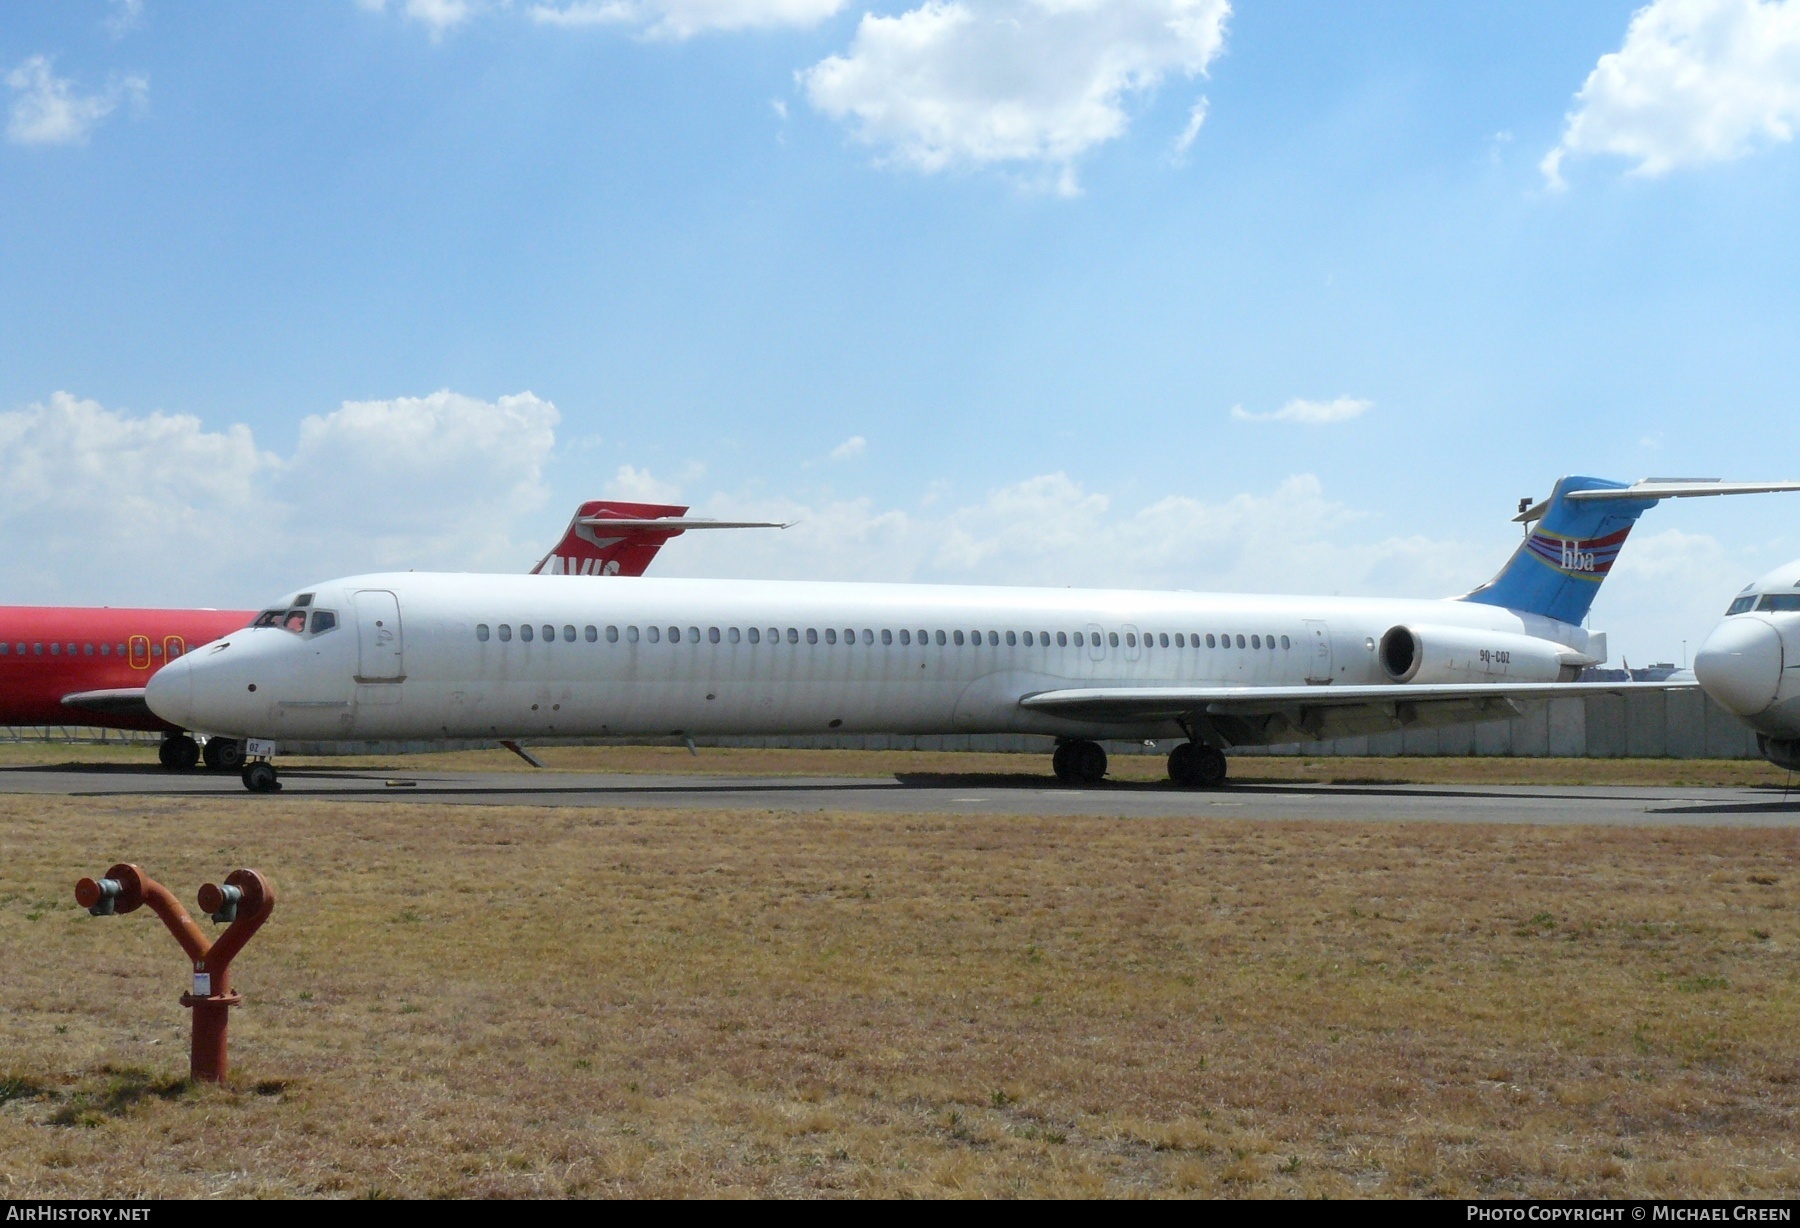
956, 83
101, 504
1342, 409
852, 447
126, 16
640, 486
437, 15
1696, 81
1196, 117
49, 111
686, 18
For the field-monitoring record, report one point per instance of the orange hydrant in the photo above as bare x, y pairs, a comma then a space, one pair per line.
245, 900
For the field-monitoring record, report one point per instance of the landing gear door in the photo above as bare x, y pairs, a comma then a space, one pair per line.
1318, 650
380, 649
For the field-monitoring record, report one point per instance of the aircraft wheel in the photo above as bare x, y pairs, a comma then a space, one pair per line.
1182, 769
223, 754
260, 777
1209, 767
179, 753
1059, 763
1087, 763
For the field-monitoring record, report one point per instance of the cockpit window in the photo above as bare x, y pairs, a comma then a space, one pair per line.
1777, 601
323, 620
304, 599
1741, 605
268, 618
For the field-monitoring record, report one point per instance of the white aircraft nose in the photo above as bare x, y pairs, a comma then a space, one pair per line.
1740, 665
170, 693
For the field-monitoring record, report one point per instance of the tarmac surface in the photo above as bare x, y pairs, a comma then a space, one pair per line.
951, 794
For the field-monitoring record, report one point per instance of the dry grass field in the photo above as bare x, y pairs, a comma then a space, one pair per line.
491, 1001
677, 761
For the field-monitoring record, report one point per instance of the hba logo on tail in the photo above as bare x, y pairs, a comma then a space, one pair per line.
1587, 559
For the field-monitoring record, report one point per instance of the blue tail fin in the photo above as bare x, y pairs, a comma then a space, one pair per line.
1557, 569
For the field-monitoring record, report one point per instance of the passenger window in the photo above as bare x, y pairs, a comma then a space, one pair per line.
1131, 640
694, 635
1180, 640
568, 633
653, 635
941, 638
831, 635
887, 637
905, 636
957, 636
549, 634
56, 650
155, 649
612, 634
631, 634
37, 650
755, 636
1256, 641
774, 635
1028, 640
733, 634
326, 620
812, 635
5, 647
481, 632
793, 635
526, 633
1062, 639
87, 650
1240, 641
1112, 639
591, 633
505, 632
849, 635
1162, 638
1284, 643
105, 649
1012, 641
869, 636
674, 635
712, 635
1080, 640
923, 638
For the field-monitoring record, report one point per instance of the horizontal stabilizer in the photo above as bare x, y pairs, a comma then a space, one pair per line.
674, 524
1661, 488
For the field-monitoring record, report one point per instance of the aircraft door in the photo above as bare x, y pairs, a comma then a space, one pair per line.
1095, 645
379, 646
1132, 651
140, 652
173, 646
1318, 649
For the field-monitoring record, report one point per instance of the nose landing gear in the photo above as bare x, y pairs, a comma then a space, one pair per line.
1079, 763
260, 777
1197, 766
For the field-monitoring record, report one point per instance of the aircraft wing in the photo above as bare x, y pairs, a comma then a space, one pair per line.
1303, 706
126, 701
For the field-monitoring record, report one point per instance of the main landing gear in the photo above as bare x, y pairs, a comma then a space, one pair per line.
179, 753
223, 754
1079, 763
1194, 765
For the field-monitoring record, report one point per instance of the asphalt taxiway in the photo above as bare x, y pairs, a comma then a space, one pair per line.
951, 794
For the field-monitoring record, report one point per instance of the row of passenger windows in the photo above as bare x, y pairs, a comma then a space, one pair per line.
850, 635
86, 650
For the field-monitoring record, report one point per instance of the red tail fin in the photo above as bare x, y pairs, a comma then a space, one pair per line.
588, 549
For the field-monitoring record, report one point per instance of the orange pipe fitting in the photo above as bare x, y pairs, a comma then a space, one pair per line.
245, 900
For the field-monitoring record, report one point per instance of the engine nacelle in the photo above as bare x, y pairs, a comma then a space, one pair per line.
1458, 654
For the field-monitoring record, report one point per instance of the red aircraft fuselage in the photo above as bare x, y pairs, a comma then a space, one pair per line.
49, 652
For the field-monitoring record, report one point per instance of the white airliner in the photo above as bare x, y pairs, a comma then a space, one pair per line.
423, 656
1750, 663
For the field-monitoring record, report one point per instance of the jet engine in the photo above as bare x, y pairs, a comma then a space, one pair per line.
1458, 654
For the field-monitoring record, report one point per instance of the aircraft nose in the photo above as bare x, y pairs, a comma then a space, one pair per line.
1740, 665
170, 692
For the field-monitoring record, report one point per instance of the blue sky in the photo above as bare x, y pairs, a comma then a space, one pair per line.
941, 280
